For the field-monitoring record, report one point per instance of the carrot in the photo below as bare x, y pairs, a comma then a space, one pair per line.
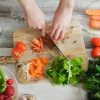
44, 60
95, 17
94, 24
93, 11
36, 68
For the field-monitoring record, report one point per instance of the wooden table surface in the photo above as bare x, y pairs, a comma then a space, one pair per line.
11, 18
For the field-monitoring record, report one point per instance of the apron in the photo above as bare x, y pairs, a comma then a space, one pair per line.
49, 6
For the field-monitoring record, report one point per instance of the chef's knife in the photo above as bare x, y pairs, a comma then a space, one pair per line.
56, 46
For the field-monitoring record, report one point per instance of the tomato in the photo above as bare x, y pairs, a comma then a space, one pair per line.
16, 53
96, 41
21, 46
96, 52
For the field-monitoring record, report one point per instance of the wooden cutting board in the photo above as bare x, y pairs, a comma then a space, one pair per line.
71, 46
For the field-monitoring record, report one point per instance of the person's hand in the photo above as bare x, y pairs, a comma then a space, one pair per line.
33, 15
60, 23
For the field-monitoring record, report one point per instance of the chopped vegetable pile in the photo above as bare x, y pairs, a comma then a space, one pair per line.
63, 71
37, 66
92, 79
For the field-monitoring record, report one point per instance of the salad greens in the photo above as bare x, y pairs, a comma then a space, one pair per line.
2, 81
64, 71
91, 79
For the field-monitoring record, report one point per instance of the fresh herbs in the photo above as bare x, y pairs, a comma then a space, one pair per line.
92, 79
64, 71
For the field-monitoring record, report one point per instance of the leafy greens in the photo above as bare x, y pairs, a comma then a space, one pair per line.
91, 79
64, 71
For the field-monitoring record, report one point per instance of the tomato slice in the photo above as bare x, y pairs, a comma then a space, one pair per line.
36, 42
21, 46
16, 53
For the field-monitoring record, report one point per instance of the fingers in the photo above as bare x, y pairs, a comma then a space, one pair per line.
57, 34
62, 34
40, 27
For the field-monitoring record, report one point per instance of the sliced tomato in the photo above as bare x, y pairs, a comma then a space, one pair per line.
21, 46
37, 49
36, 42
41, 42
16, 53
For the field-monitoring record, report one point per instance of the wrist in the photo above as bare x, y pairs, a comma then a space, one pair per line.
66, 4
27, 4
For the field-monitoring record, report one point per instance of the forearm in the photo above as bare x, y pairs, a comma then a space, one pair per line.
67, 4
27, 4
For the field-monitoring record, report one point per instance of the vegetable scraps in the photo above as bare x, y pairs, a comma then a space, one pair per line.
37, 44
2, 81
64, 71
37, 66
92, 79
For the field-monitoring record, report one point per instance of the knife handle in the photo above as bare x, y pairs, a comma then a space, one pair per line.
7, 60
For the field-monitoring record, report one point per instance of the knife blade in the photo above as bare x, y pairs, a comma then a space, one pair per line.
56, 46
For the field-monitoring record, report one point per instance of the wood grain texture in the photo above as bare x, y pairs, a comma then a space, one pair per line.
11, 17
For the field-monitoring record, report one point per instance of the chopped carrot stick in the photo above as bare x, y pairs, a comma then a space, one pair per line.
94, 24
95, 17
93, 11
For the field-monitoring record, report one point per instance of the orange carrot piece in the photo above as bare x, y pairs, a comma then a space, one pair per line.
95, 17
44, 60
94, 24
93, 11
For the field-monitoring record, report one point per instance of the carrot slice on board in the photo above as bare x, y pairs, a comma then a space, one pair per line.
93, 11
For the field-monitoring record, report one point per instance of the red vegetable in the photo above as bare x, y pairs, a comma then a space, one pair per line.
9, 91
95, 41
21, 46
2, 96
16, 53
96, 52
10, 81
37, 44
7, 98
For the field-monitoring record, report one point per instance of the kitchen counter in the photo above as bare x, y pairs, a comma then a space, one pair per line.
11, 18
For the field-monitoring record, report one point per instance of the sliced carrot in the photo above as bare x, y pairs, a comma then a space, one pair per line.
93, 11
36, 68
94, 24
44, 60
95, 17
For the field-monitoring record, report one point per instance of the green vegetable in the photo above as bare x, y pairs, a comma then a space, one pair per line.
64, 71
91, 79
2, 81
